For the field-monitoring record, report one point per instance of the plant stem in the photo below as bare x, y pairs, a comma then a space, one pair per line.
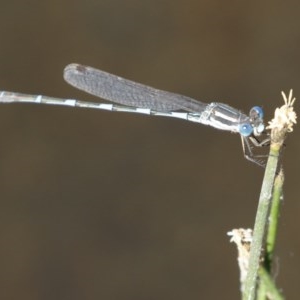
282, 123
269, 286
273, 220
260, 227
265, 288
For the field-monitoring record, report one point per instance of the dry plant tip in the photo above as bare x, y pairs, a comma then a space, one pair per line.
243, 239
285, 116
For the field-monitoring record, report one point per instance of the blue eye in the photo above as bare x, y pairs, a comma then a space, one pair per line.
245, 129
256, 112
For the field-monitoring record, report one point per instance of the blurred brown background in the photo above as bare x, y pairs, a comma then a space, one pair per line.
101, 205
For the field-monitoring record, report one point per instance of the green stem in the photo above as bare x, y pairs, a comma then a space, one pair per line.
264, 287
273, 220
261, 220
269, 285
280, 125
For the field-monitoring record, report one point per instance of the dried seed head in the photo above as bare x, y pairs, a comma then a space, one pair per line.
284, 119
